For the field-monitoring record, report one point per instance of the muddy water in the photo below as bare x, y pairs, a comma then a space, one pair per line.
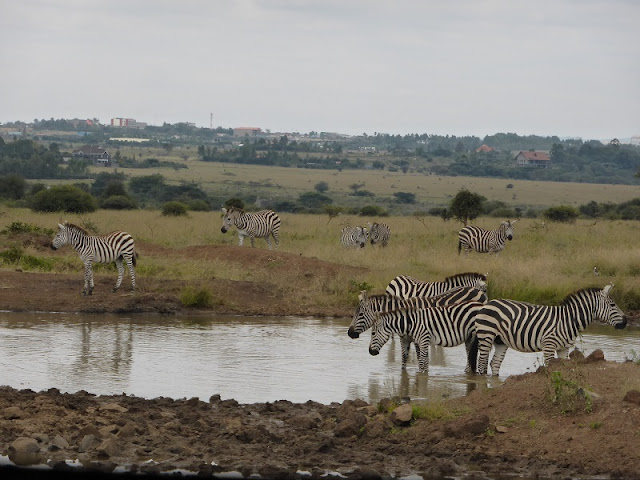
249, 359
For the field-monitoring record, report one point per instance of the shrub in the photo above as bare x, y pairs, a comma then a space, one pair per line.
196, 298
563, 213
118, 202
234, 202
63, 198
373, 211
17, 227
174, 209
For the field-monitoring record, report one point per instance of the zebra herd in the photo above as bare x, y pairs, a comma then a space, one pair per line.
457, 311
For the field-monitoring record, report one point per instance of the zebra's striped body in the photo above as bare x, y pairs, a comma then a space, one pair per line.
354, 236
534, 328
447, 326
262, 224
379, 233
368, 306
114, 247
485, 241
406, 287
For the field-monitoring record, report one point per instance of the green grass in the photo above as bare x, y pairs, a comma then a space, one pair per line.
542, 264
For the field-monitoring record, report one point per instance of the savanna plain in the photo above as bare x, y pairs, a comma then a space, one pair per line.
577, 418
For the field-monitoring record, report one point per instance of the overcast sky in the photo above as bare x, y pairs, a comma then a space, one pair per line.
473, 67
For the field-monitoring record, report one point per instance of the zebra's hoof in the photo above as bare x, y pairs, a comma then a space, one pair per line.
114, 290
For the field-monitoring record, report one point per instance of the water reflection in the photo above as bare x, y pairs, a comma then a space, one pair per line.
249, 359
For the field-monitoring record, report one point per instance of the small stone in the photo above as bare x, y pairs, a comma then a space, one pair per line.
58, 443
595, 356
24, 451
12, 413
402, 415
632, 396
108, 448
501, 429
114, 407
87, 443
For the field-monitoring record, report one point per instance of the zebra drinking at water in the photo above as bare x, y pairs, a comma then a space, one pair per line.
406, 287
261, 224
485, 241
114, 247
533, 328
379, 233
448, 326
368, 306
354, 236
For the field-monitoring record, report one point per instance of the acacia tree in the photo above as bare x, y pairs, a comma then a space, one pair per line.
466, 206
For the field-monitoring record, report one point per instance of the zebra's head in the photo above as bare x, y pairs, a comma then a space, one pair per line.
229, 217
61, 238
363, 317
362, 235
508, 228
608, 311
379, 334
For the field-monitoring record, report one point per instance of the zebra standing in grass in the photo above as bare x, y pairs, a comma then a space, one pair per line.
114, 247
406, 287
368, 307
534, 328
262, 224
379, 233
354, 236
448, 326
485, 241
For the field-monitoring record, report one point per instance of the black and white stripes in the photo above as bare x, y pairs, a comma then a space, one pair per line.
379, 233
263, 224
534, 328
485, 241
114, 247
406, 287
351, 237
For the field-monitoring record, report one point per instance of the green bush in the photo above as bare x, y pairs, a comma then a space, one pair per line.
63, 198
196, 298
373, 211
118, 202
18, 227
174, 209
563, 213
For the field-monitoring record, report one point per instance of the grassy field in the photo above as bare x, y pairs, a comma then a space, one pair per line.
542, 264
224, 181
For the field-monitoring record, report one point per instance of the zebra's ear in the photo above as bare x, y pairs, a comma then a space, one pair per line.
513, 223
224, 210
607, 289
60, 226
363, 296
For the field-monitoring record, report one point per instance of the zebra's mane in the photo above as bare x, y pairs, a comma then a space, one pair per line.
578, 293
71, 226
466, 275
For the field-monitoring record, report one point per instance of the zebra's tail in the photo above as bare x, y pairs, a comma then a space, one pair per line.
133, 258
473, 355
459, 246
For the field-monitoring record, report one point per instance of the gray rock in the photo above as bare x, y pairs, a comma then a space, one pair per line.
402, 415
24, 451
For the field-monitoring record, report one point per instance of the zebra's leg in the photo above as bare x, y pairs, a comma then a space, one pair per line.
120, 267
563, 353
484, 349
423, 359
471, 345
549, 352
276, 239
88, 278
253, 241
240, 239
268, 238
405, 342
498, 357
132, 272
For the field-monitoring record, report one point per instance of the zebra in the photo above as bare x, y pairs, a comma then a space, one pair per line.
261, 224
406, 287
379, 233
365, 314
448, 326
483, 241
533, 328
354, 236
113, 247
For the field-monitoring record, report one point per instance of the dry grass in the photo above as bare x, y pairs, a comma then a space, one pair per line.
542, 264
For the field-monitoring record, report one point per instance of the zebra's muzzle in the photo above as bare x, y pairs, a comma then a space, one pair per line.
223, 230
509, 237
352, 333
53, 247
373, 351
622, 324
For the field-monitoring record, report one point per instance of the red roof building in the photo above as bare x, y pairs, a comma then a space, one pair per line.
533, 159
